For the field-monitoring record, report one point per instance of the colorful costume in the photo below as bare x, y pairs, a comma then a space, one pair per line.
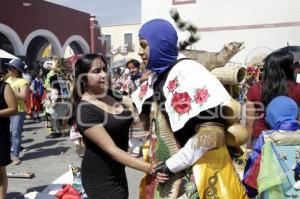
58, 96
254, 95
187, 126
37, 89
270, 169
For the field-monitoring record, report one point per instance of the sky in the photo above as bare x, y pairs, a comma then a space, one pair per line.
108, 12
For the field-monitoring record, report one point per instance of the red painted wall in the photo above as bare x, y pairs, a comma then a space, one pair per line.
61, 21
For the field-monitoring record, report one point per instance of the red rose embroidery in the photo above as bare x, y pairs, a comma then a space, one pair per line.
144, 88
201, 96
172, 85
181, 102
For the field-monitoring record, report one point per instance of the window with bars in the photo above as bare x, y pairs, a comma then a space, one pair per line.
108, 61
128, 42
108, 43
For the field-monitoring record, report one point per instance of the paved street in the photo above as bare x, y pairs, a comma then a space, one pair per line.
48, 159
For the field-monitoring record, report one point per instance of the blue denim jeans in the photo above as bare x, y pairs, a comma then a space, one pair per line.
16, 128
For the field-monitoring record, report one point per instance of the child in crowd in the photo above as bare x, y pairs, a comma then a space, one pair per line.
37, 88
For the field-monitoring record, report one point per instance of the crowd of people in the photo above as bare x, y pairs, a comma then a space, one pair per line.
174, 112
26, 94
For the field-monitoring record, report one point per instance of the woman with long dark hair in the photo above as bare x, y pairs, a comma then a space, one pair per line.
277, 80
104, 122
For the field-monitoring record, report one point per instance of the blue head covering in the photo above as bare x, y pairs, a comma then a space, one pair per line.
162, 40
282, 113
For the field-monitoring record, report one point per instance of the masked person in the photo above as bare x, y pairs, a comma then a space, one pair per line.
59, 96
277, 79
265, 172
188, 117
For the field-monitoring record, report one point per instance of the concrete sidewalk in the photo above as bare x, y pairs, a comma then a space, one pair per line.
48, 159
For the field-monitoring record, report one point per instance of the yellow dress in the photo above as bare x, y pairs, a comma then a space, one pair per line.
212, 175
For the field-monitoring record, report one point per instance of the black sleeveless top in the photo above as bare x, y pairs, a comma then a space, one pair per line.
4, 121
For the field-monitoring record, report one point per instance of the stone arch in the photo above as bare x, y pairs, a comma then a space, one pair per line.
79, 41
14, 39
47, 35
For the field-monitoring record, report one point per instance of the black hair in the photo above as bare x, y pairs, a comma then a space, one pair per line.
277, 70
135, 62
82, 66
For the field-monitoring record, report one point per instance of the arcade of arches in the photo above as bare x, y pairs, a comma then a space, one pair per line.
37, 39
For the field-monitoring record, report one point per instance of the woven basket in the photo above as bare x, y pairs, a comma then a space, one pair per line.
230, 75
210, 135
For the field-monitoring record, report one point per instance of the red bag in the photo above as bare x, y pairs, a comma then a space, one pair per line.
68, 192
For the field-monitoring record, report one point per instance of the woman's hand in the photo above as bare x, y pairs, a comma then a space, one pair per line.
162, 172
152, 168
161, 177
